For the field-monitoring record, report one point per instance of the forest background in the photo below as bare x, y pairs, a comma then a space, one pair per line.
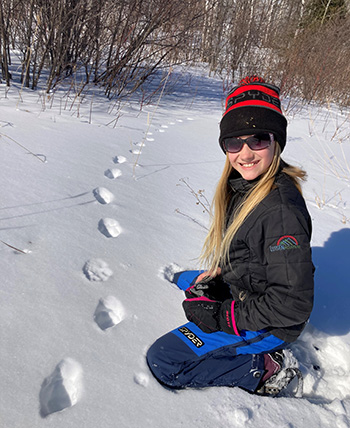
300, 45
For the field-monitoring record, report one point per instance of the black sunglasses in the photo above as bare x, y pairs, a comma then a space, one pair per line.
255, 142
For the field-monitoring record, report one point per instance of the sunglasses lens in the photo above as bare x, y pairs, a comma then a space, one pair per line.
233, 144
256, 142
259, 142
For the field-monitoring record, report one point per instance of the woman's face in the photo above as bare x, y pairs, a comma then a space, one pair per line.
252, 163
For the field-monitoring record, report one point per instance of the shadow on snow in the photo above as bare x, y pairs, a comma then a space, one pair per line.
332, 284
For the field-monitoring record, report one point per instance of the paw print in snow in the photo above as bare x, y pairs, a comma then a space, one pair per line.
62, 389
109, 312
109, 227
97, 270
113, 173
168, 272
102, 195
119, 159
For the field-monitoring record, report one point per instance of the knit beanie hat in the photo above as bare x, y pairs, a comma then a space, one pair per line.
251, 108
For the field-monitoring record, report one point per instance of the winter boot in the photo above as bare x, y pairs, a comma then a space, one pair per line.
273, 363
281, 380
277, 378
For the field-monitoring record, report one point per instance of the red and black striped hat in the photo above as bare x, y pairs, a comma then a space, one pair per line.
253, 107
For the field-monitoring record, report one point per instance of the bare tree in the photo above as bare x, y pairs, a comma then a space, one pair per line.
5, 59
119, 44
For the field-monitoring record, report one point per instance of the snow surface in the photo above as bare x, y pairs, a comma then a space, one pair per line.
103, 216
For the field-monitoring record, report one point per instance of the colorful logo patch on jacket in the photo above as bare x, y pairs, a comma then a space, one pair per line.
286, 242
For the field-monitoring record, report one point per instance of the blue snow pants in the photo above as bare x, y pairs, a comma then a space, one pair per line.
188, 357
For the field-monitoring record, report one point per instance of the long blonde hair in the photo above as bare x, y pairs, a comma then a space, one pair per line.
217, 243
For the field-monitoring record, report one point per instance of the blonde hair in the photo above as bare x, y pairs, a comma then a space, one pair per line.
217, 243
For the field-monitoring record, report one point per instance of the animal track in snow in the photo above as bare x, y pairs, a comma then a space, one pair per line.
235, 416
150, 139
141, 379
97, 270
136, 151
113, 173
109, 227
62, 389
168, 272
119, 159
109, 312
103, 196
164, 126
140, 144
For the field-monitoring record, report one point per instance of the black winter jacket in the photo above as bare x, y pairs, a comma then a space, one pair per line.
270, 272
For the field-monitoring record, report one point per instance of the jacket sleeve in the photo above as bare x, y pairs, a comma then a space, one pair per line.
280, 250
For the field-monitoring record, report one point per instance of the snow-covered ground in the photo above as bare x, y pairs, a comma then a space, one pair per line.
103, 212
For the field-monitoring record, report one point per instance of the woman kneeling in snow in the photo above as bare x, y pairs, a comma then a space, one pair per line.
258, 293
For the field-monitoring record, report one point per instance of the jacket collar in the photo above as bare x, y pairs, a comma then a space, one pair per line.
239, 184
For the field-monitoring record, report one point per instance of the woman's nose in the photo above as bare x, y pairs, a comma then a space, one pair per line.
246, 152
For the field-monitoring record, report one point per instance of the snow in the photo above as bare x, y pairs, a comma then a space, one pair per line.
104, 216
109, 312
103, 195
97, 270
62, 388
113, 173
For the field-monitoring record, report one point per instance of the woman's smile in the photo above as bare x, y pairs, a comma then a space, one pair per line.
249, 165
252, 163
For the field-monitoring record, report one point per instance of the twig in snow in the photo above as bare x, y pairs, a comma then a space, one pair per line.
198, 195
14, 248
191, 218
23, 147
